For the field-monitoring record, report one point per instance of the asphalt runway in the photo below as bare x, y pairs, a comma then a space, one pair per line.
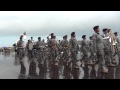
10, 67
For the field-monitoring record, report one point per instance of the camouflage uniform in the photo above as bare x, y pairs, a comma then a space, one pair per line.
99, 50
107, 48
118, 66
65, 48
39, 48
21, 50
53, 52
28, 51
74, 48
91, 48
53, 48
20, 45
40, 58
93, 58
85, 49
117, 46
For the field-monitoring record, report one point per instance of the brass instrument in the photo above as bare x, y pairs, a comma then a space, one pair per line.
53, 46
65, 47
112, 39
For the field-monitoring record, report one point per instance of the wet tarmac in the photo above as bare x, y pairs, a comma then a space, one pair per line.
10, 68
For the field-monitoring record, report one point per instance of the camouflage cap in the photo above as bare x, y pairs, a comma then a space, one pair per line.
83, 36
39, 37
65, 36
105, 29
96, 27
115, 32
72, 33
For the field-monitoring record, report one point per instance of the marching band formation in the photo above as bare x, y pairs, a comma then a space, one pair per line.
96, 56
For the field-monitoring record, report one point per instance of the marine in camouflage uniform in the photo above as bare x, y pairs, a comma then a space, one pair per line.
85, 59
118, 54
21, 50
53, 62
28, 51
61, 66
40, 57
92, 58
85, 49
74, 48
65, 48
91, 49
53, 48
21, 46
107, 47
117, 44
99, 50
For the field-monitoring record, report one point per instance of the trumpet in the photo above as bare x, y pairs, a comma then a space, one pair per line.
65, 47
53, 46
112, 38
113, 41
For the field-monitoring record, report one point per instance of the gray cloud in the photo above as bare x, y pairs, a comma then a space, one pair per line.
60, 22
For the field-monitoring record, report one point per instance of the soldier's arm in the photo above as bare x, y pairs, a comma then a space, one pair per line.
118, 41
94, 42
18, 44
24, 44
104, 37
81, 46
37, 44
88, 46
61, 44
57, 44
70, 44
49, 43
78, 46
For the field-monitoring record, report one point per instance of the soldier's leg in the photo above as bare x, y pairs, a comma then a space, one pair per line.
23, 69
118, 64
87, 68
118, 71
101, 63
41, 72
61, 65
52, 62
41, 66
74, 62
32, 68
67, 71
76, 73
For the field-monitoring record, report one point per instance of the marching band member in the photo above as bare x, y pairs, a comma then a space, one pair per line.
99, 50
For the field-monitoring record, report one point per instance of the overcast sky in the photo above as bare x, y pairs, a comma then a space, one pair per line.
13, 23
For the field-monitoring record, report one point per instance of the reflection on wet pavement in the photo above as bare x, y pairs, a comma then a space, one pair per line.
12, 68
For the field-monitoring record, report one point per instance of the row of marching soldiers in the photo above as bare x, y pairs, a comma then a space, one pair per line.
67, 57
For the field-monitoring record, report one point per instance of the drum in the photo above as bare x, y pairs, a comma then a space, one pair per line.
30, 46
